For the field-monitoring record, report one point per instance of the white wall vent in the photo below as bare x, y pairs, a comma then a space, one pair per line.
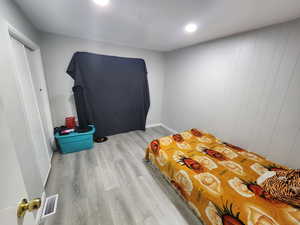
50, 206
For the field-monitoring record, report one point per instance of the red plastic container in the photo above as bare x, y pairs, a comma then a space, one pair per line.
70, 122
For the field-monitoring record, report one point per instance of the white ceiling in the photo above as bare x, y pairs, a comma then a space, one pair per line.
156, 24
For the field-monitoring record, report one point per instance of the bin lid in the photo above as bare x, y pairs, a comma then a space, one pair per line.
73, 134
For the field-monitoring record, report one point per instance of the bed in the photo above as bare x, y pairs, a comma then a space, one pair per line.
218, 180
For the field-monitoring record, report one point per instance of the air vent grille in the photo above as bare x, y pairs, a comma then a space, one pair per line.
50, 206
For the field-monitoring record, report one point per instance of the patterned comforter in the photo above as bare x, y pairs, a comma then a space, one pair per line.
218, 180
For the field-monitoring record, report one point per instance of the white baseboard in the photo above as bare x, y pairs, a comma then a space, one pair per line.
169, 129
49, 170
153, 125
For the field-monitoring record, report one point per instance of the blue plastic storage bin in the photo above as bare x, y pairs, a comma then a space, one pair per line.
75, 142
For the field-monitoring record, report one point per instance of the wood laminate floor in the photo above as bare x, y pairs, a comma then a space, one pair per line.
112, 185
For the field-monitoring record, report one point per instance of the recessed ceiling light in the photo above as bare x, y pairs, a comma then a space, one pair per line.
191, 28
102, 2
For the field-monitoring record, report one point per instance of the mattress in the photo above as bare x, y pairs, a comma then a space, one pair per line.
218, 180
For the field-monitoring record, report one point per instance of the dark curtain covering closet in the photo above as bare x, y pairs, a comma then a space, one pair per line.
115, 90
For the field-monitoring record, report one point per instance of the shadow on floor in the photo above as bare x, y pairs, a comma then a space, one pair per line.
174, 197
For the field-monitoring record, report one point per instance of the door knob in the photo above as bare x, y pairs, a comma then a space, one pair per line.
24, 206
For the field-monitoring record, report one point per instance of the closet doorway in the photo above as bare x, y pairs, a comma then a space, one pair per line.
35, 153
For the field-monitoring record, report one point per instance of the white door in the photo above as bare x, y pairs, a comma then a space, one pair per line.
39, 83
31, 109
20, 175
8, 217
12, 188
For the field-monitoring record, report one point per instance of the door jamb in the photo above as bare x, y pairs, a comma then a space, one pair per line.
13, 32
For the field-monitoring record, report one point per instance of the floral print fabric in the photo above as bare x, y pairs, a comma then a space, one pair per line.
218, 180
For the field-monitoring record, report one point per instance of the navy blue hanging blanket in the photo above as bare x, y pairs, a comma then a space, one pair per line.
116, 91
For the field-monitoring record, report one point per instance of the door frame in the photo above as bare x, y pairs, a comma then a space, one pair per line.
16, 34
22, 38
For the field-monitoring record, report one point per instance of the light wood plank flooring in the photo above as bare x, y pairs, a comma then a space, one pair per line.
112, 185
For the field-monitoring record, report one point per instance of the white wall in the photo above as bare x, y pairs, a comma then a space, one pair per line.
57, 52
10, 171
245, 89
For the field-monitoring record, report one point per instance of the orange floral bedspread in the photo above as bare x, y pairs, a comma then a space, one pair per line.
218, 180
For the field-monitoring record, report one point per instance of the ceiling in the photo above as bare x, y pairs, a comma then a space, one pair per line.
156, 24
